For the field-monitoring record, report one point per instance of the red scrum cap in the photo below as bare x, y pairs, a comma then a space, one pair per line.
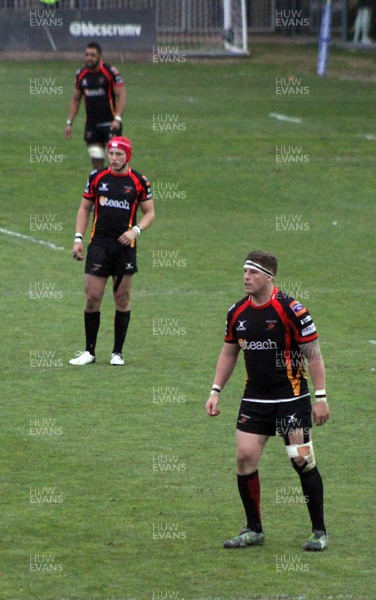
121, 143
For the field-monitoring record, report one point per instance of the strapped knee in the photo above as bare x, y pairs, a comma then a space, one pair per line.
302, 457
96, 151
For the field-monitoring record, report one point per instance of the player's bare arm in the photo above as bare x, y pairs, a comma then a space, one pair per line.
316, 367
74, 106
148, 216
120, 102
225, 366
82, 221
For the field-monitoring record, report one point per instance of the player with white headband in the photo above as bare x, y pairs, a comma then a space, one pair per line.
277, 336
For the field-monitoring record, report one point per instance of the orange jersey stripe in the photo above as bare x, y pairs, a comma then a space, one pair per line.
295, 382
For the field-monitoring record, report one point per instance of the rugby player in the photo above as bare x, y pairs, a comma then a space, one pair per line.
104, 93
116, 193
277, 336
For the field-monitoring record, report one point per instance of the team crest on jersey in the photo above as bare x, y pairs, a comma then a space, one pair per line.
128, 189
270, 324
297, 308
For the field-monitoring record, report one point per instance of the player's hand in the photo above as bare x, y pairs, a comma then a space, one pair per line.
78, 251
320, 412
211, 406
68, 132
115, 125
127, 237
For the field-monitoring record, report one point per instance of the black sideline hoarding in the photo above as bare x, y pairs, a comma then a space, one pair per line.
53, 30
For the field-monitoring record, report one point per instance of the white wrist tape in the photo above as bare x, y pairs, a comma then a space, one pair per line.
320, 396
216, 389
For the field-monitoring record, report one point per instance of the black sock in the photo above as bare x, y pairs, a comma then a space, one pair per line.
121, 323
249, 490
92, 321
313, 491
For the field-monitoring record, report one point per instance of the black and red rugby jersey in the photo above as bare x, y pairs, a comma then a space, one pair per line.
116, 199
269, 336
98, 90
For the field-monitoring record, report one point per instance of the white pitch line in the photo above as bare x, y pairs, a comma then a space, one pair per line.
367, 136
30, 239
280, 117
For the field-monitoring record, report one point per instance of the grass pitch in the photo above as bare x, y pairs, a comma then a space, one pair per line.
115, 484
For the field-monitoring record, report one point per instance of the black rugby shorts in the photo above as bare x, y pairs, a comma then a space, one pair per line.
275, 417
100, 133
111, 259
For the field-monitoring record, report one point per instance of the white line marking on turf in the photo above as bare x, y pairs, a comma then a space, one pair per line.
367, 136
30, 239
280, 117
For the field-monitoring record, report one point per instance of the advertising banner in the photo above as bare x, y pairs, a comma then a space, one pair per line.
53, 30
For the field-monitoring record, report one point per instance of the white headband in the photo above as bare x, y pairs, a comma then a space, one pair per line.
249, 264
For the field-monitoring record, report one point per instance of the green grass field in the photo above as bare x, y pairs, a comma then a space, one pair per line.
88, 510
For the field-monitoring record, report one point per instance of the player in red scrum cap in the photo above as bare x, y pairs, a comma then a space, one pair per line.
122, 143
115, 192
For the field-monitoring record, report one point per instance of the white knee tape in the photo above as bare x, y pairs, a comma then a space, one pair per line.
303, 451
96, 151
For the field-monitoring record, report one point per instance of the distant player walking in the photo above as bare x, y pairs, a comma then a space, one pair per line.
276, 334
116, 193
104, 92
